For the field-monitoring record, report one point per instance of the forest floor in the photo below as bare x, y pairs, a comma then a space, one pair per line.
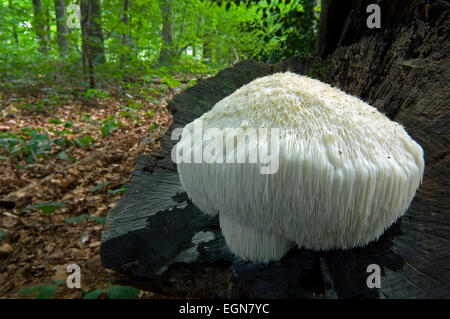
67, 166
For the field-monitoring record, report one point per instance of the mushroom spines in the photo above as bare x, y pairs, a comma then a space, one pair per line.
251, 243
345, 171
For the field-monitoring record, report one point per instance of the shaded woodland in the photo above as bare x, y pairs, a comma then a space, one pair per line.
91, 90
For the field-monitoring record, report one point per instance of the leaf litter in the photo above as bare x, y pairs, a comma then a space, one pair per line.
52, 208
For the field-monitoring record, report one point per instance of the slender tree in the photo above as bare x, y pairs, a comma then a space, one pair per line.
91, 27
61, 27
167, 31
92, 38
14, 27
207, 49
125, 36
39, 26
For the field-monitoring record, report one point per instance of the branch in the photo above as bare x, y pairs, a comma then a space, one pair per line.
112, 30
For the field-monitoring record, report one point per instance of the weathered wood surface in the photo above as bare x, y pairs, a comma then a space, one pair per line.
156, 236
404, 71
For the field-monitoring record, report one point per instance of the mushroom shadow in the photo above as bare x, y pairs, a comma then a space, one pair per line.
348, 268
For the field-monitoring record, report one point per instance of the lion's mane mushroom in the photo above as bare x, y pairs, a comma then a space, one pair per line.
346, 172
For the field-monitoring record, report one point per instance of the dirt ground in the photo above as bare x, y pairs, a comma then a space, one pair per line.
36, 247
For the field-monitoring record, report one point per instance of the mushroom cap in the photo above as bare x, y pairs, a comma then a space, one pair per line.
345, 171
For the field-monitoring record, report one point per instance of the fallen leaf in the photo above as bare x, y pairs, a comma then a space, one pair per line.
61, 273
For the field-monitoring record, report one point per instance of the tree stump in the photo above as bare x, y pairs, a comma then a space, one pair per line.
162, 242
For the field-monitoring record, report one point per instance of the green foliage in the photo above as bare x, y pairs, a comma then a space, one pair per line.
31, 144
47, 291
154, 127
207, 36
96, 94
93, 294
54, 121
122, 292
109, 125
77, 219
113, 292
283, 29
42, 291
46, 208
120, 190
68, 124
150, 113
99, 187
84, 141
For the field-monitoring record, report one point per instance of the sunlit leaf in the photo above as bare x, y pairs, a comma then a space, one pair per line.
84, 141
93, 294
120, 190
98, 187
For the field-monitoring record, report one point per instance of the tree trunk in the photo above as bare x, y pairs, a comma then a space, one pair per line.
39, 26
92, 38
167, 31
344, 22
92, 30
197, 35
61, 26
207, 49
14, 27
125, 37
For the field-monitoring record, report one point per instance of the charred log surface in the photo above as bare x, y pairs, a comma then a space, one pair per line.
404, 71
343, 22
158, 240
164, 243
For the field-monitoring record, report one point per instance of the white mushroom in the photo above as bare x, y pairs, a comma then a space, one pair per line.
345, 172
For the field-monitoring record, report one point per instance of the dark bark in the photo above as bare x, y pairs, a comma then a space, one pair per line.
344, 22
207, 51
197, 33
92, 30
61, 26
47, 24
39, 26
125, 36
402, 69
167, 50
92, 38
14, 28
207, 48
177, 49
